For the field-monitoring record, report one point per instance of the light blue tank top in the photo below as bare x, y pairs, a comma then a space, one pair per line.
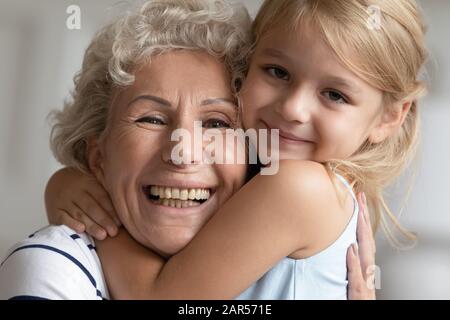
322, 276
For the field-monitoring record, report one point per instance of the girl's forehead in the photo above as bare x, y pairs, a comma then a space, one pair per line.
305, 46
282, 34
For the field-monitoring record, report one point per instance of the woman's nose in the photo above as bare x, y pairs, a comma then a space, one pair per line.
184, 146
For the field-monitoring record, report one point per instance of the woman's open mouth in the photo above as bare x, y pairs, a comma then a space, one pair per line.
177, 197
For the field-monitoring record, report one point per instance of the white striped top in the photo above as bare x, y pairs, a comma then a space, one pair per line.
53, 263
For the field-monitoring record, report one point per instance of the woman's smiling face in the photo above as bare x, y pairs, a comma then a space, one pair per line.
296, 84
161, 204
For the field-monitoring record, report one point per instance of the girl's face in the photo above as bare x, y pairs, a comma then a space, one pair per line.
296, 84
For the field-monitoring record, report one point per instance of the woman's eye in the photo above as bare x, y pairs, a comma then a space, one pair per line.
335, 97
216, 124
278, 73
151, 120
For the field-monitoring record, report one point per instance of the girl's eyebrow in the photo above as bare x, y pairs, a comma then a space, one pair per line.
338, 81
271, 52
345, 83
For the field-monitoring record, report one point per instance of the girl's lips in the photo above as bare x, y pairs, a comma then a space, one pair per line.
287, 137
292, 142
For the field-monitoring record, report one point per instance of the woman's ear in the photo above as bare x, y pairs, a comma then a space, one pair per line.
390, 122
94, 156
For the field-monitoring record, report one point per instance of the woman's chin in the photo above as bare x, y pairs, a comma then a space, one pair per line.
170, 243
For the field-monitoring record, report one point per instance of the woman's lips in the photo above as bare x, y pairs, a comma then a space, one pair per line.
177, 206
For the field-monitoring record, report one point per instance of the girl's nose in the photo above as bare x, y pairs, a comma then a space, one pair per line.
296, 106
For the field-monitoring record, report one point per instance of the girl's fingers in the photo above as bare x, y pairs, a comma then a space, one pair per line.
371, 239
115, 217
91, 227
104, 200
356, 281
366, 244
96, 231
67, 220
102, 197
98, 192
365, 239
98, 214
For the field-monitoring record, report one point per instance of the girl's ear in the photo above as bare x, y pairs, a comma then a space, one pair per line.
94, 155
390, 122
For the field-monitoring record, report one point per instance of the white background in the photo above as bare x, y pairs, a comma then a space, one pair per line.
39, 56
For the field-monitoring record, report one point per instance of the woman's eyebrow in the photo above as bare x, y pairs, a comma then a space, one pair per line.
156, 99
166, 103
219, 101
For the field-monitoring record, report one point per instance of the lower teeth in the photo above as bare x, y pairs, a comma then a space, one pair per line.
177, 203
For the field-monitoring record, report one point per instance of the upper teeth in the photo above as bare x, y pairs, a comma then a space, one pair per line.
182, 194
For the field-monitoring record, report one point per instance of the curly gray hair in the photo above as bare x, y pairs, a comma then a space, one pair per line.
220, 28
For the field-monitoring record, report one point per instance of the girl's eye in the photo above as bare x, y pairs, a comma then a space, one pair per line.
151, 120
216, 124
335, 97
278, 73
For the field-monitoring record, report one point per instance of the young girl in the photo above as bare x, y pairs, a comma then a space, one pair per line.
343, 94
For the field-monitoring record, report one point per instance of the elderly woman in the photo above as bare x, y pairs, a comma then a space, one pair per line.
121, 125
143, 76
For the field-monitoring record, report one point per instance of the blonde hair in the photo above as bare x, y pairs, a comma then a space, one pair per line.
389, 59
217, 27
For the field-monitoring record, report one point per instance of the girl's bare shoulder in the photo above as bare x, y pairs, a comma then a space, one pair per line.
307, 190
298, 176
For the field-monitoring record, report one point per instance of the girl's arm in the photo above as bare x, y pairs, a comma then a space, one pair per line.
271, 217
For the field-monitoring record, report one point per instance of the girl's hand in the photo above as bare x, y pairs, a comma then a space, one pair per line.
361, 259
77, 200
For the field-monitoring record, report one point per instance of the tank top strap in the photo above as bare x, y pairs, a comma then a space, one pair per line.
350, 189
